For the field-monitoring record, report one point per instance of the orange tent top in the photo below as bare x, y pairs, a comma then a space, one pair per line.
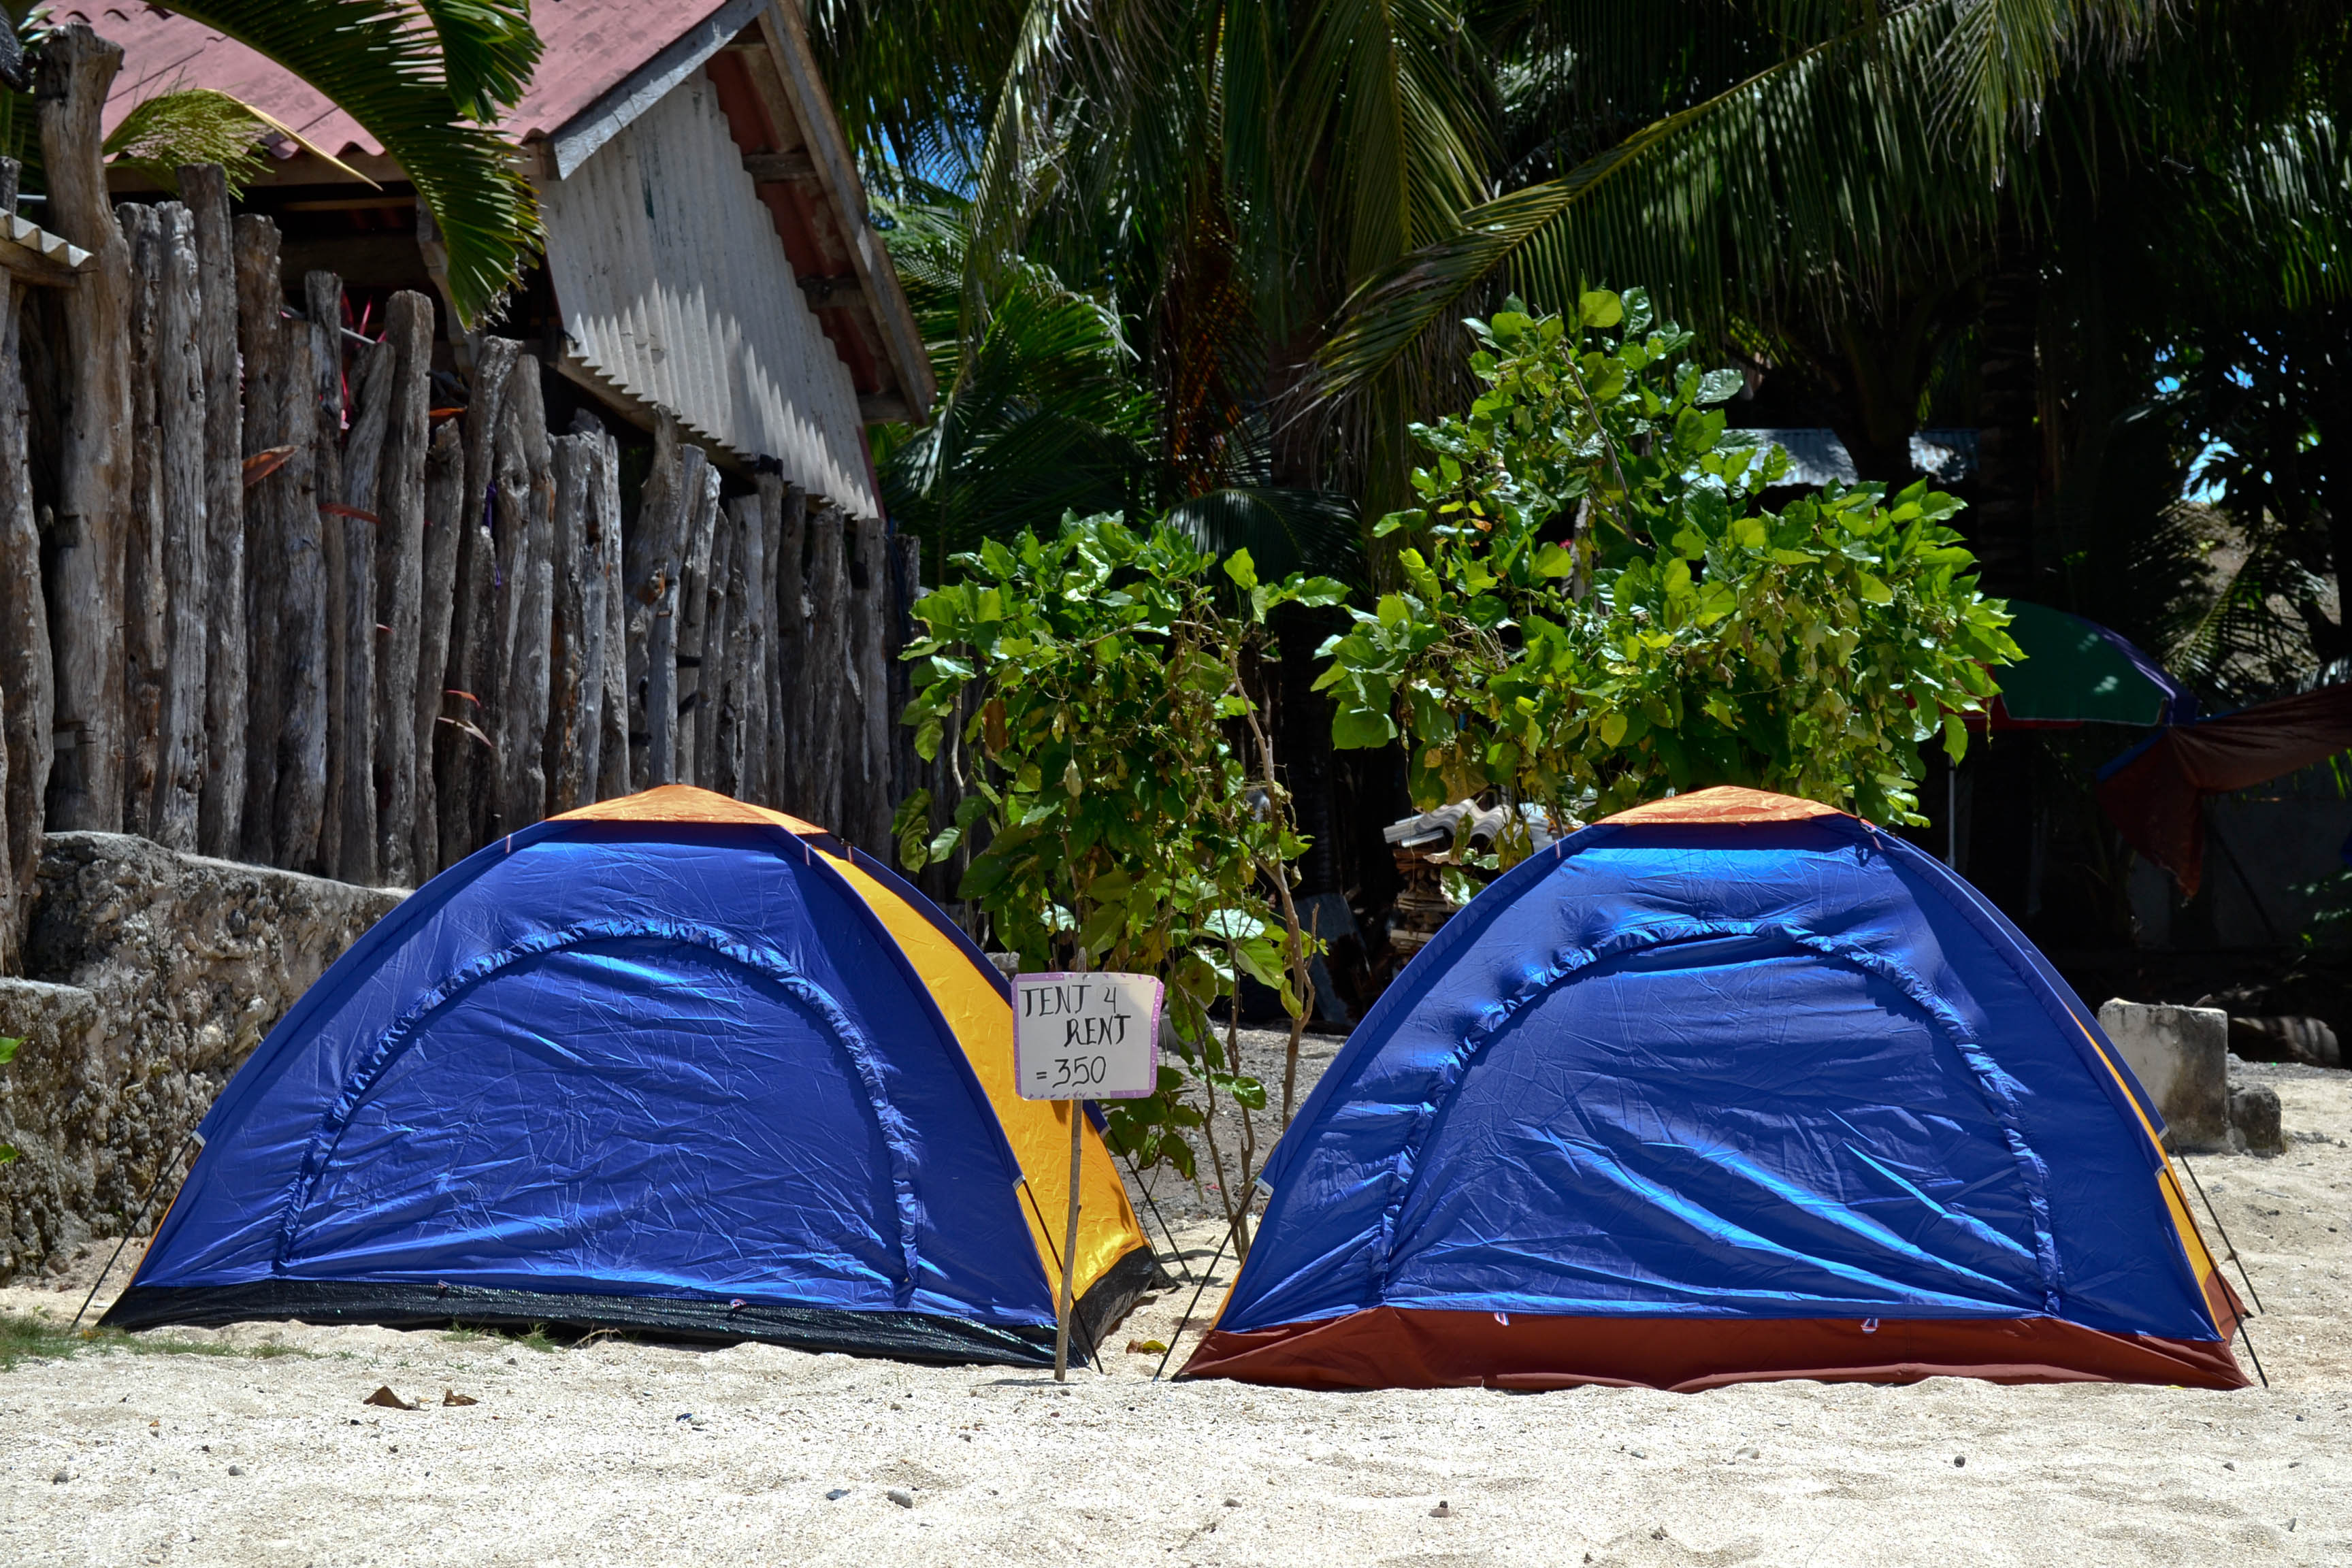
1726, 804
685, 803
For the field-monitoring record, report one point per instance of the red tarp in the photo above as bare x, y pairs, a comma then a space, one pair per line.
2154, 795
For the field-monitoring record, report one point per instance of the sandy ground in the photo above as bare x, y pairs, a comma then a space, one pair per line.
620, 1453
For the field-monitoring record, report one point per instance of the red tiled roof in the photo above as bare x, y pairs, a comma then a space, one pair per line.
593, 46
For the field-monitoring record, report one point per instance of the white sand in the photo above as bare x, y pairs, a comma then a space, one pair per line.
579, 1456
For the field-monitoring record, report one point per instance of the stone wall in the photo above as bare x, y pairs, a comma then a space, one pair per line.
154, 975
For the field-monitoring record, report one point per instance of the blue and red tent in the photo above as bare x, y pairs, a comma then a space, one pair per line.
1731, 1086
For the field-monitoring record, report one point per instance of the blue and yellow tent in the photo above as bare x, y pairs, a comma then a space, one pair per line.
670, 1063
1726, 1088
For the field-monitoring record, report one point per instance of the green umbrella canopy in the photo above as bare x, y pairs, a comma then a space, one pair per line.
2077, 672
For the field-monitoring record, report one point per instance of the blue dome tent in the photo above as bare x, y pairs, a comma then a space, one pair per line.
670, 1063
1731, 1086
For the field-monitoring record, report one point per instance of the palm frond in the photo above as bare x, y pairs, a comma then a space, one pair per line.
415, 76
1823, 170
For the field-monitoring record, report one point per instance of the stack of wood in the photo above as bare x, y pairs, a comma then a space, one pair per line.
259, 599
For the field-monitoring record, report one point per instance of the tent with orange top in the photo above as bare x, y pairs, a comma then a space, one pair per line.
1729, 1087
670, 1063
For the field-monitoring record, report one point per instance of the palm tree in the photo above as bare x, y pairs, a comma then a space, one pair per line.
428, 79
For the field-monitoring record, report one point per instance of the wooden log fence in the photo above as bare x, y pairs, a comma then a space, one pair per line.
260, 599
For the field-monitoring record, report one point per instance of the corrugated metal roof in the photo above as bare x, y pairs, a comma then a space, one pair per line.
678, 292
593, 47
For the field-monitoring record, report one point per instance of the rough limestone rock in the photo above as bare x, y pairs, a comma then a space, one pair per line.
58, 1031
2181, 1057
186, 964
2254, 1119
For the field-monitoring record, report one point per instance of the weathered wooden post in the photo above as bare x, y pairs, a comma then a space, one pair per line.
651, 556
761, 754
612, 779
445, 489
877, 611
795, 702
661, 636
311, 593
711, 664
693, 621
400, 551
464, 760
26, 695
144, 591
575, 713
526, 509
221, 808
182, 421
272, 440
85, 585
743, 700
829, 673
356, 522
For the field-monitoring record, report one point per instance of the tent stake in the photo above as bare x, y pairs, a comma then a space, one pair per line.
1206, 1275
1070, 1253
1174, 1253
152, 1187
2224, 1233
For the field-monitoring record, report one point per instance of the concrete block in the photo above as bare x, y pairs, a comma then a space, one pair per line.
2181, 1057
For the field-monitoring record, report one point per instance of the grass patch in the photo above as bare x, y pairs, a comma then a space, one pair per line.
24, 1338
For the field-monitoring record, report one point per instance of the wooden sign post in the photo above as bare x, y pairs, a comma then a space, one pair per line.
1077, 1038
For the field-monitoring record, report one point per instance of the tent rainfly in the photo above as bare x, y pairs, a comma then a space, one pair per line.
1731, 1086
671, 1063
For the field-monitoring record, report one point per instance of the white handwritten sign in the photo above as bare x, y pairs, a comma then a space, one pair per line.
1086, 1037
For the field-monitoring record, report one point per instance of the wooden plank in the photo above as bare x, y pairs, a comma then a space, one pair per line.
694, 620
268, 499
830, 675
303, 599
466, 779
400, 549
612, 778
877, 610
649, 561
794, 705
221, 807
182, 421
575, 633
323, 307
663, 758
526, 513
437, 593
780, 168
85, 585
144, 593
355, 799
710, 674
26, 690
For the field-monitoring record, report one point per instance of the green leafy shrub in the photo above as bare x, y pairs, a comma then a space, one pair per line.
1124, 827
1596, 610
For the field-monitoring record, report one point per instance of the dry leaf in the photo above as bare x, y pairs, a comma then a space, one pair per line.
388, 1399
1146, 1347
261, 465
451, 1396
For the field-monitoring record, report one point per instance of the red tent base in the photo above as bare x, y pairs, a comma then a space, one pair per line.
1402, 1347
